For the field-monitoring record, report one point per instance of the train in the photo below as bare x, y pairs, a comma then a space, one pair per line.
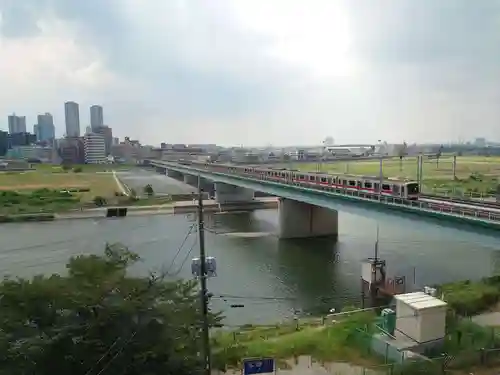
404, 189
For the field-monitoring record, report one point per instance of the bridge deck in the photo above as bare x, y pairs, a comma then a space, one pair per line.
334, 198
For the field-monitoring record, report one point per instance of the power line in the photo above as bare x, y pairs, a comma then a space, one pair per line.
117, 353
181, 246
184, 260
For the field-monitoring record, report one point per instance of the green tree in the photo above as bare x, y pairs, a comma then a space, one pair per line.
98, 318
148, 190
100, 201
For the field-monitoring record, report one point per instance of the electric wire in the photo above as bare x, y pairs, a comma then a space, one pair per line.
184, 260
181, 246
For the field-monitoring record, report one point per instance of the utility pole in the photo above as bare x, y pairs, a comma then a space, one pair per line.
203, 280
381, 169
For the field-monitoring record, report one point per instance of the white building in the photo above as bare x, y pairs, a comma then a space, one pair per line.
94, 148
17, 124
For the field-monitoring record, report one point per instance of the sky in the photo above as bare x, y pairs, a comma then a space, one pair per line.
257, 72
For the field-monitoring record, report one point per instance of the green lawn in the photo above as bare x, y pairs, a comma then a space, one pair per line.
100, 184
473, 174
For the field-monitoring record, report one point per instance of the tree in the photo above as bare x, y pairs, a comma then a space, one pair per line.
438, 155
100, 201
148, 190
98, 318
402, 151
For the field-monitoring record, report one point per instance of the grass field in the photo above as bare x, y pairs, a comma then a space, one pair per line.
472, 174
100, 184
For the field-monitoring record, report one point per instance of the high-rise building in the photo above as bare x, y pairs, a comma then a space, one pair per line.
72, 118
95, 148
17, 124
45, 130
107, 133
96, 117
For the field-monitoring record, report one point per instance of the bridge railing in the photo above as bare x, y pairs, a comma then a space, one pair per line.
483, 213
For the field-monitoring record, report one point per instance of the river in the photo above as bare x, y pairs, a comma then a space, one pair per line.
271, 278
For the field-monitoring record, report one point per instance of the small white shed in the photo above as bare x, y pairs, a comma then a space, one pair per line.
420, 317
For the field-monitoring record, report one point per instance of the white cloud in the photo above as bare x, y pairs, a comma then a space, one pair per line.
256, 71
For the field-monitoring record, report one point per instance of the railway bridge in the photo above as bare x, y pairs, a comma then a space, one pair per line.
306, 211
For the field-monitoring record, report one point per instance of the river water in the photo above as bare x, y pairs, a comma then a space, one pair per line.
271, 278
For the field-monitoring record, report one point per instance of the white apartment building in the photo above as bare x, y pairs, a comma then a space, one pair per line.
95, 149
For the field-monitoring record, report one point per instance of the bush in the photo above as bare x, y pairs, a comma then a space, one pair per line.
470, 298
100, 201
77, 170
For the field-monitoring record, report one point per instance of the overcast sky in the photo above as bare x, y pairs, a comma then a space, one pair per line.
257, 72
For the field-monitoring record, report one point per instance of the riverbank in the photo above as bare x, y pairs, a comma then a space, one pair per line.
326, 341
173, 208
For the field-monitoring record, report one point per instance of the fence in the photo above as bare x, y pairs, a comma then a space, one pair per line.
475, 347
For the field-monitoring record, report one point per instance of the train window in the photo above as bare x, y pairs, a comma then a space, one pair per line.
312, 178
283, 175
368, 185
323, 179
412, 188
386, 187
352, 182
301, 177
344, 182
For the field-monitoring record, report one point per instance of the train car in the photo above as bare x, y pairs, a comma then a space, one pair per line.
364, 184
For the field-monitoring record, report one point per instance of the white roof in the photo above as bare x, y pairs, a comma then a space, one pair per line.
420, 300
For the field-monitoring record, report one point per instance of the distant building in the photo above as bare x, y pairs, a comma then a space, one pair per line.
96, 117
94, 148
4, 143
107, 133
21, 139
72, 119
17, 124
31, 152
71, 150
45, 130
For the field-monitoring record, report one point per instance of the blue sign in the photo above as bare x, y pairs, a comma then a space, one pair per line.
258, 366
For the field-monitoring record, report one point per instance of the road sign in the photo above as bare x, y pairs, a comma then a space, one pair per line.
258, 366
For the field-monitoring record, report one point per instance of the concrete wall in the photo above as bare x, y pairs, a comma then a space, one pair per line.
302, 220
225, 193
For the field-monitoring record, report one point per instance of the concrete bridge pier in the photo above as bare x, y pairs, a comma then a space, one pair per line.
174, 174
225, 193
160, 170
190, 179
302, 220
208, 187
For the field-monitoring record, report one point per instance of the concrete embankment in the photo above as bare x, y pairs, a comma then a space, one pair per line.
173, 208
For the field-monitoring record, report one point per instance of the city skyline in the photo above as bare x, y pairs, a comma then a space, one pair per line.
70, 126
